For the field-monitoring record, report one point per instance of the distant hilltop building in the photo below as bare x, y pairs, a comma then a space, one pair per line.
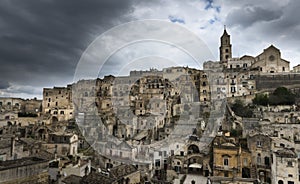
296, 69
269, 61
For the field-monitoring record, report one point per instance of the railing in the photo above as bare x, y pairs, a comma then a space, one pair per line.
225, 168
263, 167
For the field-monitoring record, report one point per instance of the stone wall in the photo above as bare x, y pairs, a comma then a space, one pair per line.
269, 82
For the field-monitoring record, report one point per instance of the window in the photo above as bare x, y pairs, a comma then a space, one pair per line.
0, 103
226, 174
226, 50
182, 153
157, 163
267, 161
280, 182
289, 164
258, 143
225, 162
245, 162
283, 69
62, 112
56, 103
258, 158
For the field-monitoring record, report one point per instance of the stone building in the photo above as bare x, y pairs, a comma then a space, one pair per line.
296, 69
61, 143
32, 106
11, 104
270, 61
8, 118
11, 149
230, 160
24, 170
57, 103
261, 154
284, 167
191, 157
239, 74
127, 174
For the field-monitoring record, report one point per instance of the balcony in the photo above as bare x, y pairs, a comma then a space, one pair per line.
224, 168
263, 166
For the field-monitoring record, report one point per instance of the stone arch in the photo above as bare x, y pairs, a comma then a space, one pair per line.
192, 149
54, 119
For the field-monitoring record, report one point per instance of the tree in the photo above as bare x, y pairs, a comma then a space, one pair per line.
240, 109
261, 99
282, 96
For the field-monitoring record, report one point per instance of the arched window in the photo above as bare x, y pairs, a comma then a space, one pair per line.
280, 182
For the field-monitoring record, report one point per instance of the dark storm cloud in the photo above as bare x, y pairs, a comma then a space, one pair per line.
250, 14
41, 41
4, 85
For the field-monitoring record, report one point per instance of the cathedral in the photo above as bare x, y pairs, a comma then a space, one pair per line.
269, 61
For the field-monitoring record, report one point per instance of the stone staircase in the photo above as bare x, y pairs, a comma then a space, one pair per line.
253, 172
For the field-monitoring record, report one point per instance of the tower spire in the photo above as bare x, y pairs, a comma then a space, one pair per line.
225, 47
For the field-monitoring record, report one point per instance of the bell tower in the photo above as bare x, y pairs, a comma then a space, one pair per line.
225, 48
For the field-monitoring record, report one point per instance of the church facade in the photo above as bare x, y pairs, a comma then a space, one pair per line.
269, 61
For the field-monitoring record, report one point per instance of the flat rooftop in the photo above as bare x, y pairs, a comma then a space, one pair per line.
4, 165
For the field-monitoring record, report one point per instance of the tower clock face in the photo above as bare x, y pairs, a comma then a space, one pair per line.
271, 58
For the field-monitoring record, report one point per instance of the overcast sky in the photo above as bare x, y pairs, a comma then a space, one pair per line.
42, 41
